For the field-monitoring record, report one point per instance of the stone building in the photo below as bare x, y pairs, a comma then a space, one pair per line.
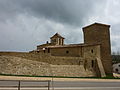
57, 39
95, 51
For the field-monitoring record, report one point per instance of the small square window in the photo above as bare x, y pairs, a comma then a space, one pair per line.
67, 51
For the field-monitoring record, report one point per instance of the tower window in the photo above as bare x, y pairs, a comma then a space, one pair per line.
92, 63
92, 51
67, 52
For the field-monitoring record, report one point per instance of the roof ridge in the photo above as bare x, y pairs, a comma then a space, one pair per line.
57, 34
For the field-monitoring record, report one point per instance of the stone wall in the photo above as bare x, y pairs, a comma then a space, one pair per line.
19, 66
55, 65
47, 58
66, 51
58, 66
71, 71
92, 51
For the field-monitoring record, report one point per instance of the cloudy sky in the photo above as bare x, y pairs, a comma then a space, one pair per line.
24, 24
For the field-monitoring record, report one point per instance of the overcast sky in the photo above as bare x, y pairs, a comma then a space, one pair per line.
24, 24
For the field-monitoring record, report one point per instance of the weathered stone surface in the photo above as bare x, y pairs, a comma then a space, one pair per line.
100, 34
21, 66
44, 57
71, 71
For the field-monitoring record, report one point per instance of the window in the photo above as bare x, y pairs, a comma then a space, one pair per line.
92, 51
48, 50
92, 63
67, 52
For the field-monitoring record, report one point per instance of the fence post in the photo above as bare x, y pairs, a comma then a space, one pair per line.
48, 85
19, 85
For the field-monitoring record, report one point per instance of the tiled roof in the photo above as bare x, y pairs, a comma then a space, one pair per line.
57, 35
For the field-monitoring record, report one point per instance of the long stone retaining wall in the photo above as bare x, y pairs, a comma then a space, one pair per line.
20, 66
47, 58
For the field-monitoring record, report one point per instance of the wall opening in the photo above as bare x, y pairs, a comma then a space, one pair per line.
67, 52
92, 51
92, 63
48, 50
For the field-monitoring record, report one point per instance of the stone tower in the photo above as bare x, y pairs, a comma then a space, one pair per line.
99, 34
57, 39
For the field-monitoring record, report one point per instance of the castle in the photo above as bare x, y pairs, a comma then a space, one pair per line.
89, 59
95, 51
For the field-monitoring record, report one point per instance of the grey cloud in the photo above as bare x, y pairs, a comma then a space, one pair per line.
65, 11
8, 10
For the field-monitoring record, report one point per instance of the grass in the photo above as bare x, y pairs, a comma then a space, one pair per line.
108, 76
